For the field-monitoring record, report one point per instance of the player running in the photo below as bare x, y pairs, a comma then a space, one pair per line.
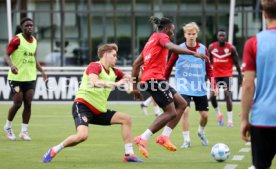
190, 74
90, 105
153, 59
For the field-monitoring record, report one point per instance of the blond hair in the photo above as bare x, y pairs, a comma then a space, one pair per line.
108, 47
190, 26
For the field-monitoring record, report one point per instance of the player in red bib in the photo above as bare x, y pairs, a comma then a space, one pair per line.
153, 59
223, 55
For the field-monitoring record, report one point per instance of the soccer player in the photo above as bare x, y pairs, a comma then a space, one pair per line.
259, 61
153, 59
223, 55
21, 58
90, 104
144, 105
190, 73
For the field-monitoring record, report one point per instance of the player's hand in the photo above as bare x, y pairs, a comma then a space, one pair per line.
202, 56
14, 69
137, 95
122, 81
45, 78
245, 130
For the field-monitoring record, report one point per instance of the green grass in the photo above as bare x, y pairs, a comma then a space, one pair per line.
104, 149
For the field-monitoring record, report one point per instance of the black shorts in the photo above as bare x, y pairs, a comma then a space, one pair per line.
83, 116
161, 92
263, 144
201, 102
225, 82
17, 86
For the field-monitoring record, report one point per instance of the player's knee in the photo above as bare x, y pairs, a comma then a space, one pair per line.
204, 115
127, 120
173, 115
18, 104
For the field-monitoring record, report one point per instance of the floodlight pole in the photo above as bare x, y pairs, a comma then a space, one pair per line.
9, 20
231, 21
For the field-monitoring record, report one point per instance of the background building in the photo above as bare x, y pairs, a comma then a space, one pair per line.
69, 31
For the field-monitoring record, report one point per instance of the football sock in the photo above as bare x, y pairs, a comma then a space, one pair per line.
200, 129
186, 136
146, 135
217, 110
129, 148
8, 124
167, 131
24, 127
58, 148
147, 102
157, 110
230, 116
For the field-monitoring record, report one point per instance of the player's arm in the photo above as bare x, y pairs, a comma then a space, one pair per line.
12, 46
170, 65
96, 82
179, 50
210, 56
134, 74
248, 89
210, 75
236, 63
40, 69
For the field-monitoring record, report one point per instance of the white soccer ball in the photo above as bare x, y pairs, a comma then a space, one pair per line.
220, 152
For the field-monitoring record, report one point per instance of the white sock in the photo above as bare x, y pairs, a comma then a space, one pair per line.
200, 129
157, 110
230, 116
146, 135
58, 148
167, 131
217, 110
147, 102
186, 136
129, 149
8, 124
24, 127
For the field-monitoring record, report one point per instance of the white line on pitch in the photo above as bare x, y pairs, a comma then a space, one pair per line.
244, 150
230, 166
237, 157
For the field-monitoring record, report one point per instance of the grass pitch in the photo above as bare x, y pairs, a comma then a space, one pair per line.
52, 123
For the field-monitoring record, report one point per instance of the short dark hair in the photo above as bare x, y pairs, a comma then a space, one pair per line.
221, 30
269, 6
23, 20
160, 23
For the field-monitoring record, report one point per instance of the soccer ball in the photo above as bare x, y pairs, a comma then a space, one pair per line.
220, 152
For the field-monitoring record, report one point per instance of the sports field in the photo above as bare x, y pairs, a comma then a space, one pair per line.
51, 123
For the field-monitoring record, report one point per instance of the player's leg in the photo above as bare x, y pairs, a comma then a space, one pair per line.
228, 99
163, 97
214, 102
180, 105
17, 96
126, 123
201, 105
185, 123
185, 127
26, 115
156, 108
82, 117
144, 105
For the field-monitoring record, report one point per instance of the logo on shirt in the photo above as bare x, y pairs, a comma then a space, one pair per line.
147, 57
226, 50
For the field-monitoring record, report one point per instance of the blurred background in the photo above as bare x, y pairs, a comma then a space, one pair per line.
69, 31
